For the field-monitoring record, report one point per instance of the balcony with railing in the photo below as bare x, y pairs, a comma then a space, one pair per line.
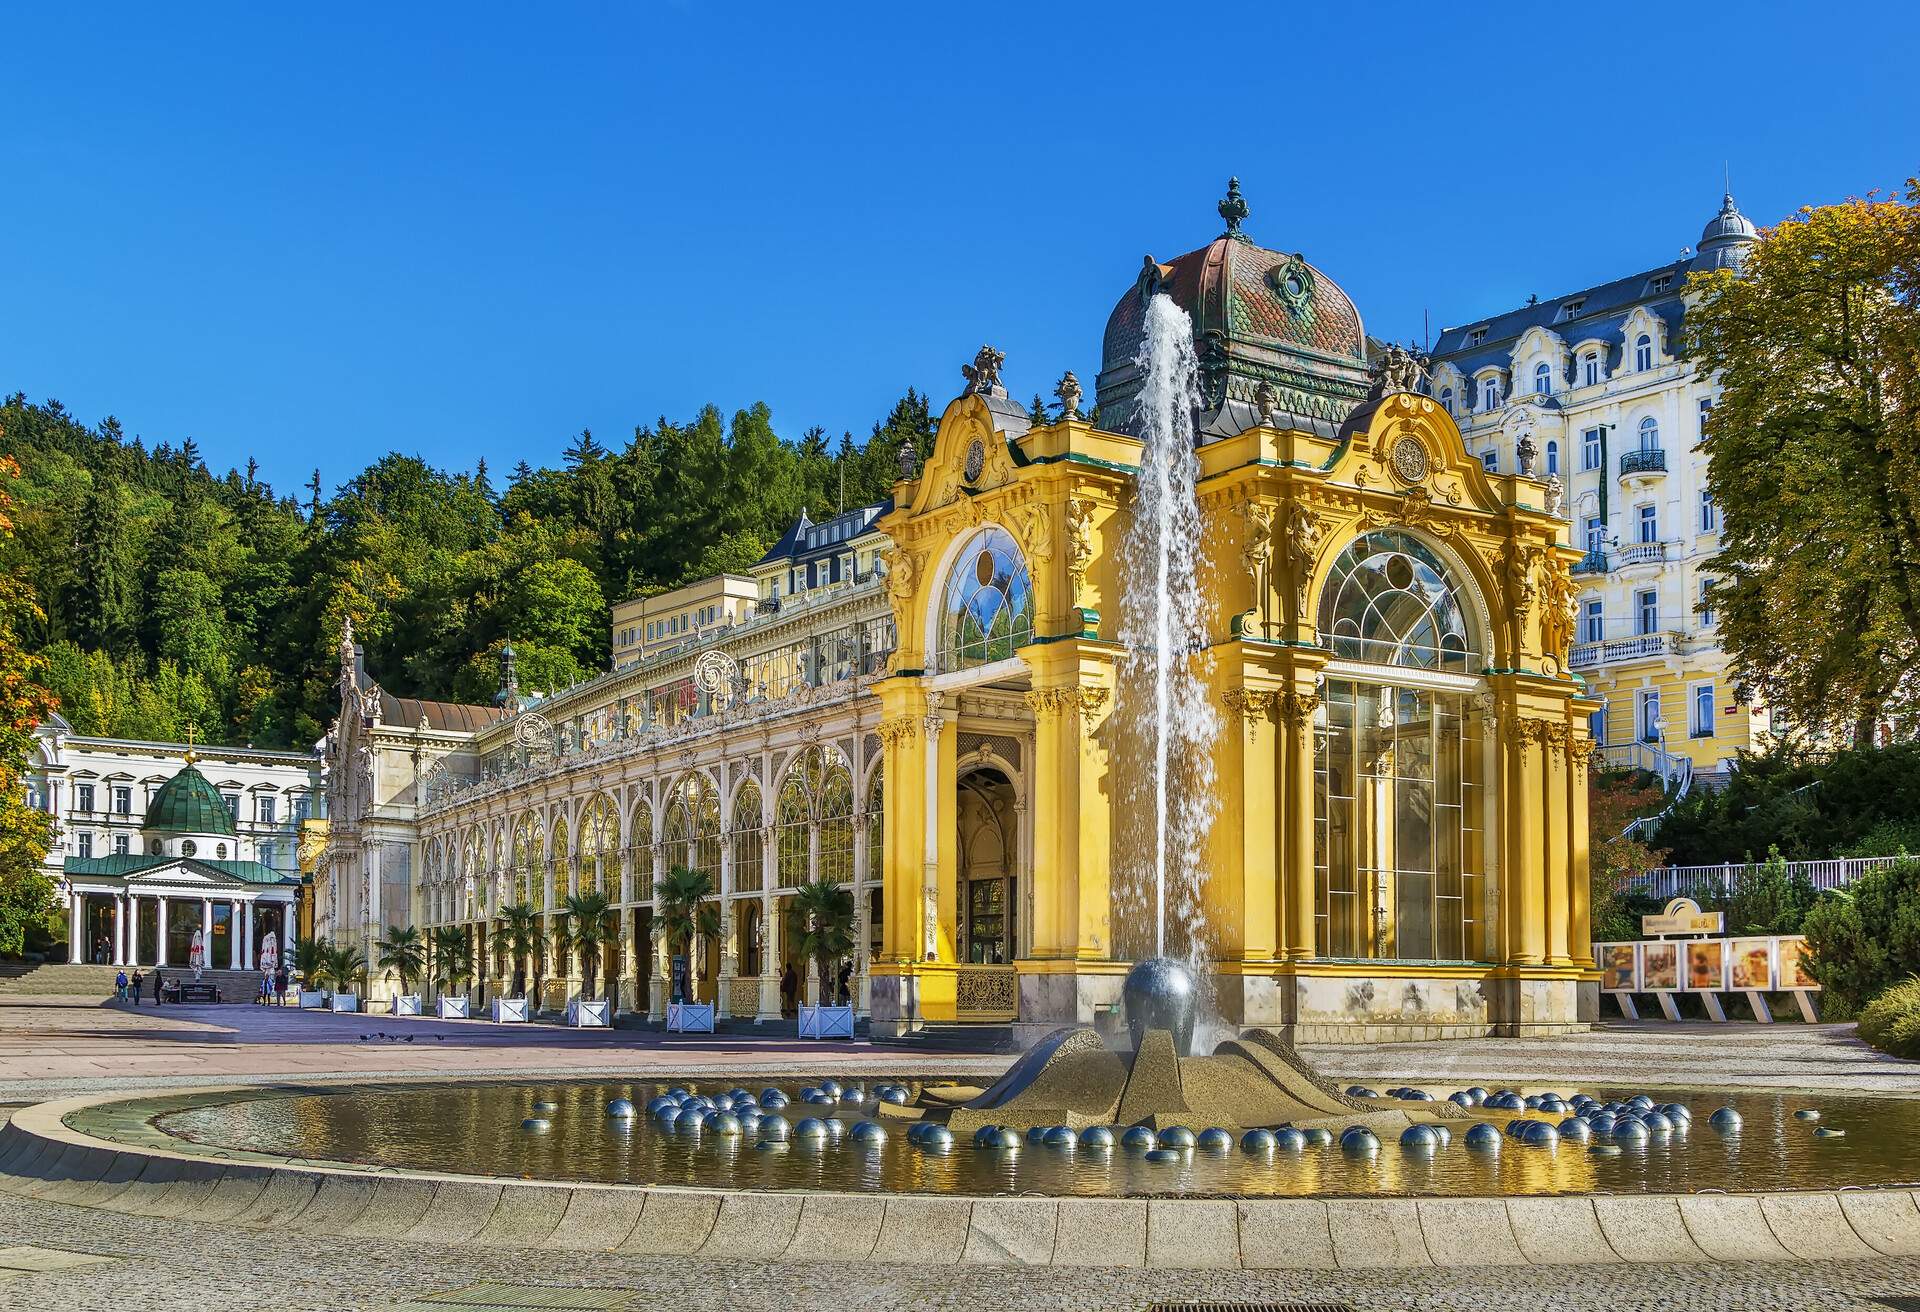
1640, 553
1617, 651
1594, 562
1646, 462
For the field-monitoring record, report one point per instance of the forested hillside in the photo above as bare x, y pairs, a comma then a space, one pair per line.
176, 597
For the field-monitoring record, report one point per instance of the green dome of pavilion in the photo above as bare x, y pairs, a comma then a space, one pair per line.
189, 804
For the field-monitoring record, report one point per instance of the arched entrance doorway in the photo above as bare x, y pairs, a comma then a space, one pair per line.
989, 845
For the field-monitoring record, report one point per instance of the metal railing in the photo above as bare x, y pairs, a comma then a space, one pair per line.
1594, 562
1652, 461
1614, 650
1709, 881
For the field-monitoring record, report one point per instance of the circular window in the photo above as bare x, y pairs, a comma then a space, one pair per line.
187, 848
220, 852
983, 567
976, 460
1409, 460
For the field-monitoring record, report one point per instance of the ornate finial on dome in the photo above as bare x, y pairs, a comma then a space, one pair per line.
192, 755
1233, 208
983, 375
1068, 390
909, 460
1266, 401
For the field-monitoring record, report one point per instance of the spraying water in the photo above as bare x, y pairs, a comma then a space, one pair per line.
1163, 624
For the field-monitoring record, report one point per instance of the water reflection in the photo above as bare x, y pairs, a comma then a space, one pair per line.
474, 1127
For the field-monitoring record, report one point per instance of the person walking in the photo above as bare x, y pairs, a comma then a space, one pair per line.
120, 987
133, 989
788, 984
280, 985
159, 987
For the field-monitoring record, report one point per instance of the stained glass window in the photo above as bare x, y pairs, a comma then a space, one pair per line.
989, 603
1389, 600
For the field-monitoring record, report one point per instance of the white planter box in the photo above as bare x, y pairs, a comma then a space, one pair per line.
587, 1015
453, 1009
689, 1018
313, 999
346, 1002
510, 1010
406, 1004
826, 1022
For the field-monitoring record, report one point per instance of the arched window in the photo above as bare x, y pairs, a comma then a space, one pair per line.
1446, 399
1649, 434
1389, 600
836, 821
876, 826
562, 882
988, 609
1590, 368
640, 850
1543, 379
599, 843
1553, 456
792, 819
1643, 352
749, 853
1401, 803
691, 830
522, 860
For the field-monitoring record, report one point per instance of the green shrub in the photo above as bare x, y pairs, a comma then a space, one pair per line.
1891, 1022
1866, 938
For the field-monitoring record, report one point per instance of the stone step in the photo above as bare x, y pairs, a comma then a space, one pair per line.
60, 978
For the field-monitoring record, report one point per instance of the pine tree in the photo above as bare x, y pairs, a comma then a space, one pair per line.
103, 606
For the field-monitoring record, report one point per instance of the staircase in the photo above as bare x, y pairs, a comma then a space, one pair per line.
58, 979
1674, 772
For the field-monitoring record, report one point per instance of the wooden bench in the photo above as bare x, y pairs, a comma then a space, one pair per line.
199, 993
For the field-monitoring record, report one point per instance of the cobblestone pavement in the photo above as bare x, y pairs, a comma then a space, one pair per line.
159, 1265
53, 1047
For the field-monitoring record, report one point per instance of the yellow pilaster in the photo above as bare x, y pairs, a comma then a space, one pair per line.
1296, 708
1072, 904
1579, 871
1523, 875
1555, 816
902, 934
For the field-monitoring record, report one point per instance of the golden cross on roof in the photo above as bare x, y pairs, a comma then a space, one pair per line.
192, 755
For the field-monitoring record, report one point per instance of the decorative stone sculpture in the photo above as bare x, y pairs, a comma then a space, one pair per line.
1525, 452
983, 375
1397, 370
1069, 393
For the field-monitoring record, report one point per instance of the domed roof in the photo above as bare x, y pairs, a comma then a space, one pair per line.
1724, 241
1259, 316
189, 804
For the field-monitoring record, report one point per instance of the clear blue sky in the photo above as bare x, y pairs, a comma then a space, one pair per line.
315, 233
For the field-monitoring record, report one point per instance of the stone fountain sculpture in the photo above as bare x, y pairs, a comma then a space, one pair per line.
1073, 1078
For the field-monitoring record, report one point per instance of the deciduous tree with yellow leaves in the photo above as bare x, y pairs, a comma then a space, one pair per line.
26, 894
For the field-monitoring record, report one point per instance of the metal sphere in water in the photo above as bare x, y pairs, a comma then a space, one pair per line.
1035, 1133
896, 1095
1176, 1136
1319, 1136
1657, 1124
1160, 994
1162, 1156
938, 1139
1360, 1091
1059, 1136
1631, 1133
1289, 1140
621, 1109
1419, 1139
1258, 1142
536, 1125
1359, 1141
1726, 1120
1478, 1094
1806, 1114
1828, 1132
1461, 1099
726, 1124
1576, 1129
870, 1132
810, 1127
1214, 1140
774, 1129
1007, 1139
986, 1136
1098, 1138
1483, 1138
1137, 1139
546, 1106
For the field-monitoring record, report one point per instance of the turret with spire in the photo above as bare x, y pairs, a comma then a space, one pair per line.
1727, 237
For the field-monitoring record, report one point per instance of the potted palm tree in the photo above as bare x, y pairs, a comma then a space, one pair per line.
683, 908
452, 968
826, 911
516, 932
403, 953
585, 923
310, 966
346, 967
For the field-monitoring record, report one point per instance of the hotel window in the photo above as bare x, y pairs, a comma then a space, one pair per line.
1706, 603
1649, 709
1649, 524
1649, 434
1597, 726
1660, 283
1553, 457
1490, 394
1490, 461
233, 805
123, 801
1643, 353
1543, 379
1647, 604
1590, 449
119, 844
86, 847
83, 797
1709, 514
1476, 336
1595, 532
1703, 710
1446, 399
268, 852
264, 808
1590, 368
1706, 412
1592, 619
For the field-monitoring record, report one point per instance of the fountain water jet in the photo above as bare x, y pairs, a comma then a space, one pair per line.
1164, 698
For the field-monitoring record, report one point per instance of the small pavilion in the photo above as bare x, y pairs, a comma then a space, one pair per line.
197, 873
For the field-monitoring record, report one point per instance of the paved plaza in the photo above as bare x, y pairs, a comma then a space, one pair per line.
53, 1255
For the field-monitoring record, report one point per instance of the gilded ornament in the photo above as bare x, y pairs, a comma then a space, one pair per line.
1296, 708
1556, 609
1409, 460
1251, 705
1305, 532
1079, 544
1256, 557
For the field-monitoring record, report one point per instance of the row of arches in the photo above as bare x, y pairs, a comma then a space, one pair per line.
810, 828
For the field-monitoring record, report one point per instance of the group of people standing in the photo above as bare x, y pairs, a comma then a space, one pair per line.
126, 988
